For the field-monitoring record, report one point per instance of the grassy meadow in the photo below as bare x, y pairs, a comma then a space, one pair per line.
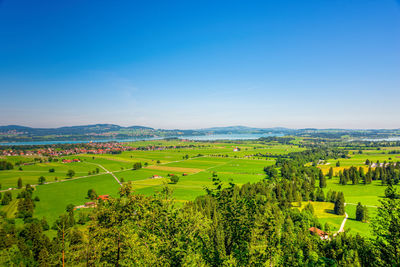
194, 163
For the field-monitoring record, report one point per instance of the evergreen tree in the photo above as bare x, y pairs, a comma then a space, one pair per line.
330, 174
322, 179
309, 207
320, 195
339, 204
369, 175
7, 198
361, 213
19, 184
386, 228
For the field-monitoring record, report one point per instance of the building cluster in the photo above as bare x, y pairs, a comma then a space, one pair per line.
11, 132
88, 148
92, 204
374, 165
55, 151
70, 160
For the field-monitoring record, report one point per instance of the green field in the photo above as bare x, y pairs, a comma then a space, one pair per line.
55, 197
30, 173
240, 167
198, 163
366, 194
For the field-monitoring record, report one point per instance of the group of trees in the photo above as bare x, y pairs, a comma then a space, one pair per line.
388, 174
70, 173
361, 213
5, 165
7, 198
174, 179
137, 166
25, 203
42, 180
339, 208
95, 171
91, 194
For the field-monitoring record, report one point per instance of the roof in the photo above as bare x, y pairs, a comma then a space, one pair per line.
318, 231
103, 197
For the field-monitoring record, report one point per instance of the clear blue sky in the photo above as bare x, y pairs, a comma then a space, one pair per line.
194, 64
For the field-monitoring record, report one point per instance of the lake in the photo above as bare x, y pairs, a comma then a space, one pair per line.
210, 137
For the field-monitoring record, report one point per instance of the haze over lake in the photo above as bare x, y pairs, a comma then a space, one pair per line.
209, 137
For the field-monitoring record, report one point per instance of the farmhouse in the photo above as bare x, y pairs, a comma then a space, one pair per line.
323, 235
70, 160
155, 176
103, 197
90, 204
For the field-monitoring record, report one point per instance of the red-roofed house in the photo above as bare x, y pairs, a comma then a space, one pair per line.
103, 197
323, 235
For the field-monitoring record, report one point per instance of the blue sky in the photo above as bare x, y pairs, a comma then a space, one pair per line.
193, 64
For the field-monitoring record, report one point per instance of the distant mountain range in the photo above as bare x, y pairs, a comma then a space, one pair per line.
105, 128
68, 130
15, 133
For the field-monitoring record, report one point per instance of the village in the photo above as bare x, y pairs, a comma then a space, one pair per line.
82, 148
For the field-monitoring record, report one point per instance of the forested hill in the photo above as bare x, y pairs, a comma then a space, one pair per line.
70, 130
15, 133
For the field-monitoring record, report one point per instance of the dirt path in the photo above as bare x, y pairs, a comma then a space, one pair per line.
341, 229
107, 171
343, 223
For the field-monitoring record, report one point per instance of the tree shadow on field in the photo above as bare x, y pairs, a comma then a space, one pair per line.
330, 211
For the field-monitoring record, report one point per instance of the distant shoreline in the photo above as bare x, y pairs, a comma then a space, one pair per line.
211, 137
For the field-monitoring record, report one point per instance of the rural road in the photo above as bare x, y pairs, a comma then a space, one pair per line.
341, 229
343, 223
107, 171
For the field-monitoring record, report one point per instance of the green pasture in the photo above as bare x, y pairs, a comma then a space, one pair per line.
56, 196
356, 227
16, 159
359, 159
134, 175
31, 173
369, 194
324, 212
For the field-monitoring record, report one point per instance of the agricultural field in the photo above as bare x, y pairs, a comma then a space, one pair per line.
369, 195
194, 163
56, 196
31, 173
358, 160
194, 166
